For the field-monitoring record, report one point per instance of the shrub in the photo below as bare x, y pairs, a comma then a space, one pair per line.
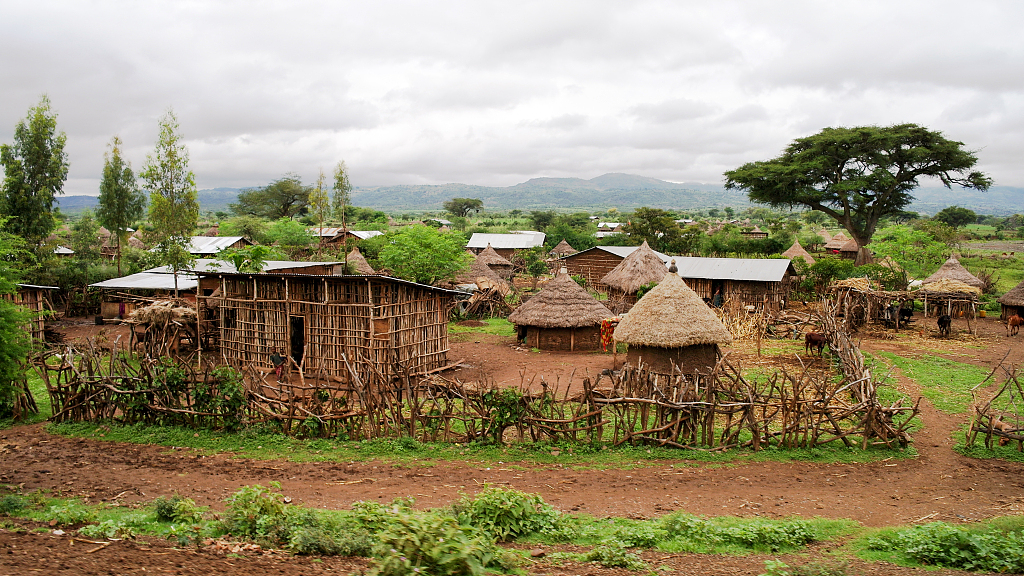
680, 525
71, 512
433, 544
505, 513
613, 554
942, 544
109, 529
177, 509
256, 512
12, 504
771, 537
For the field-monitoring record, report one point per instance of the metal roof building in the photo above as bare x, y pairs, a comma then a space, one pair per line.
518, 241
213, 244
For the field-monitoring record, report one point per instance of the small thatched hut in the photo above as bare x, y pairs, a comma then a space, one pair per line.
825, 236
953, 270
671, 327
562, 316
836, 242
849, 250
1012, 302
481, 275
755, 234
501, 266
563, 249
797, 251
640, 268
359, 264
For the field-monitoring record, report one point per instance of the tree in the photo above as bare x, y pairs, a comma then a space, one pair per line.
35, 168
173, 199
654, 225
541, 219
249, 258
285, 197
16, 340
342, 191
956, 216
290, 235
252, 228
461, 207
858, 175
422, 254
121, 202
320, 204
917, 251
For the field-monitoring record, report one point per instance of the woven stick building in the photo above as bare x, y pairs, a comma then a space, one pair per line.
671, 327
380, 326
562, 316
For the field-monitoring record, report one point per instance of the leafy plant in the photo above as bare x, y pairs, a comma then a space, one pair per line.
942, 544
12, 504
108, 529
177, 509
255, 511
432, 544
505, 513
71, 512
613, 554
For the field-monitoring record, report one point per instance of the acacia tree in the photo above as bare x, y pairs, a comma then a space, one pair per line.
461, 207
858, 175
121, 202
956, 216
173, 199
285, 197
35, 168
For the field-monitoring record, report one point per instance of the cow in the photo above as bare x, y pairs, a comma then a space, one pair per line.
945, 321
813, 340
1013, 324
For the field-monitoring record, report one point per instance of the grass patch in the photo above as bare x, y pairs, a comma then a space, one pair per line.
945, 383
42, 398
496, 326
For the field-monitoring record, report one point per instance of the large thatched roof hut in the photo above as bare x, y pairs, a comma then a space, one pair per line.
562, 316
797, 251
952, 270
639, 269
836, 242
1012, 302
501, 266
672, 327
359, 264
563, 249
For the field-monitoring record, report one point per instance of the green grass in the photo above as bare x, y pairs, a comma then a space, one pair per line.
42, 398
1009, 271
945, 383
496, 326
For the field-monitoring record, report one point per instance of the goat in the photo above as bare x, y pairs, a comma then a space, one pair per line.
813, 340
945, 321
1013, 324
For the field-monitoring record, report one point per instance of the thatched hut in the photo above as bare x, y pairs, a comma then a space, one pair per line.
671, 327
797, 251
952, 270
849, 250
563, 249
825, 235
562, 316
358, 264
639, 269
755, 234
1012, 302
483, 277
501, 266
836, 243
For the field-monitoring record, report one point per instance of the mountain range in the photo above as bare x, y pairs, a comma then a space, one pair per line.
622, 191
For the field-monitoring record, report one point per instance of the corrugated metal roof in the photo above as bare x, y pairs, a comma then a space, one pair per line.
506, 241
211, 244
150, 281
754, 269
326, 231
365, 234
62, 251
347, 276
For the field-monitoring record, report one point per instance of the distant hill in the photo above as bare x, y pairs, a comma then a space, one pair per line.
622, 191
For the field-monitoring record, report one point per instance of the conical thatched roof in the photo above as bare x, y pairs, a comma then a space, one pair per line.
797, 251
953, 270
561, 304
671, 315
836, 242
358, 263
136, 243
849, 246
563, 249
491, 258
946, 285
212, 231
638, 269
480, 270
1015, 297
825, 235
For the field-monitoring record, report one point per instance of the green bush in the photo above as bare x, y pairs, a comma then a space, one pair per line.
123, 528
689, 527
256, 512
505, 513
177, 509
942, 544
12, 504
70, 513
428, 543
770, 537
613, 554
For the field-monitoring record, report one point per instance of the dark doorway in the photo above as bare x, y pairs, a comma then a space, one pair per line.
297, 327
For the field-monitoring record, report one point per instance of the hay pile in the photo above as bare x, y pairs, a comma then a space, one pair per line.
671, 315
561, 304
955, 286
860, 283
163, 312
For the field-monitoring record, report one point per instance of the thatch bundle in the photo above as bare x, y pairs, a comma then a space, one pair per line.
837, 242
859, 283
358, 263
640, 268
1015, 297
671, 315
947, 285
563, 249
952, 270
163, 312
797, 251
561, 304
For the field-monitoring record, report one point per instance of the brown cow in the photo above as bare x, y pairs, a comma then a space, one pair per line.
813, 340
1013, 324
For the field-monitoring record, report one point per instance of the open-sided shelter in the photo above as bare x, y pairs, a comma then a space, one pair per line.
562, 316
382, 327
952, 270
1012, 302
671, 327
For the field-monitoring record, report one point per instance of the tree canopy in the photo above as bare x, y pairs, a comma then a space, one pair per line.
956, 216
858, 175
121, 202
461, 207
422, 254
285, 197
35, 168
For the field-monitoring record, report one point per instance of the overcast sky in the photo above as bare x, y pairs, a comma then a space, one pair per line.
495, 93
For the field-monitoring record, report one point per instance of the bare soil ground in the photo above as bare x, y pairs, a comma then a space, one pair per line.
937, 485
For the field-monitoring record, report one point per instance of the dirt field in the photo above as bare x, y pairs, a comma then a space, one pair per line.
937, 485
